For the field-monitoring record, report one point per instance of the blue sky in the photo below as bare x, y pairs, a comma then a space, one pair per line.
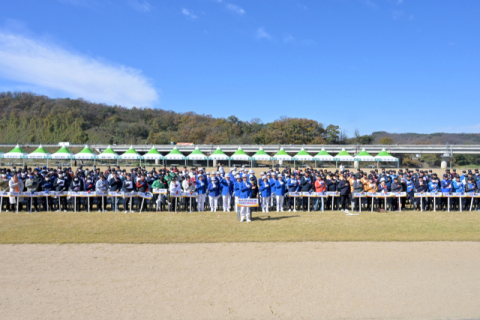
392, 65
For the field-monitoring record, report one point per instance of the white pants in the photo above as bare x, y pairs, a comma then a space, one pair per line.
213, 203
271, 199
226, 202
265, 204
279, 203
244, 211
201, 201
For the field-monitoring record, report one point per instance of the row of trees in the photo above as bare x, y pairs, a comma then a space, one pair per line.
30, 118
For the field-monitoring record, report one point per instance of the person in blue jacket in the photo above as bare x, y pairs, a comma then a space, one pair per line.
410, 190
421, 187
245, 191
280, 190
265, 192
458, 187
445, 187
213, 192
227, 192
433, 187
272, 179
236, 191
202, 191
293, 185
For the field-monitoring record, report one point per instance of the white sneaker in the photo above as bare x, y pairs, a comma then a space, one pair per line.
126, 211
58, 210
283, 211
248, 220
263, 210
99, 210
242, 219
342, 210
64, 210
289, 210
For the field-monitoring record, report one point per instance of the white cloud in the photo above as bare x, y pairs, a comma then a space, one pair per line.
262, 34
188, 13
142, 6
34, 63
234, 8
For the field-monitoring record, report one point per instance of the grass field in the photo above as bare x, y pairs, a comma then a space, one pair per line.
110, 227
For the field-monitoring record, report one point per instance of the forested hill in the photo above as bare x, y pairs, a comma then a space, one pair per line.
30, 118
432, 138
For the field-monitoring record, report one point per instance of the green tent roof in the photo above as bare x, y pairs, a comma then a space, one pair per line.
219, 152
17, 149
131, 151
109, 150
363, 153
40, 150
197, 151
384, 153
175, 151
261, 152
86, 150
63, 150
282, 152
302, 153
343, 153
239, 152
323, 153
153, 151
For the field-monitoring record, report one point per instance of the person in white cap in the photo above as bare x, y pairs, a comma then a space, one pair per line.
245, 191
265, 191
227, 191
236, 190
214, 192
273, 180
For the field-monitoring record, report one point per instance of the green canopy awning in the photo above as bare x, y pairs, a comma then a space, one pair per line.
261, 155
363, 156
323, 156
218, 155
282, 155
86, 154
240, 155
197, 155
152, 154
40, 153
63, 153
131, 154
385, 156
303, 155
108, 154
343, 156
175, 155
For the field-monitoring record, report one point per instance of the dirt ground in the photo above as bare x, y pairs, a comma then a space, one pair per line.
303, 280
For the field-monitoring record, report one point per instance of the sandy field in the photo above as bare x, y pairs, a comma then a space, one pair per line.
303, 280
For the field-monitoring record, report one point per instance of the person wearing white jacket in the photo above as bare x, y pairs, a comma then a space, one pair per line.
175, 192
188, 187
16, 185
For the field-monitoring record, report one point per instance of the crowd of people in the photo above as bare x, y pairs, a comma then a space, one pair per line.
275, 190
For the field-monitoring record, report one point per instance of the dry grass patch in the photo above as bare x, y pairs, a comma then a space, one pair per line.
194, 227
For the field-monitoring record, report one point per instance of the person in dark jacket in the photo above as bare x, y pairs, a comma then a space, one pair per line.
128, 186
421, 187
76, 186
395, 187
344, 189
331, 187
60, 186
90, 188
358, 187
305, 186
254, 193
115, 185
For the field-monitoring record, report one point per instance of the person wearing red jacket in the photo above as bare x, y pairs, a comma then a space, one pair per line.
320, 187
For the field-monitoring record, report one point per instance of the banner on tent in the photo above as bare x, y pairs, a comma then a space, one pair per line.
160, 191
145, 195
247, 203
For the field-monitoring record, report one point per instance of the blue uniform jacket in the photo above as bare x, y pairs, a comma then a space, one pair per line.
280, 187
